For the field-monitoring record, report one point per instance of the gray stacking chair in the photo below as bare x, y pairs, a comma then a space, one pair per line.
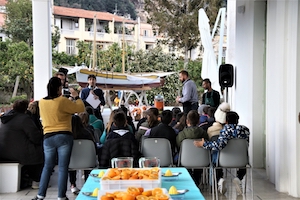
83, 155
192, 157
160, 148
234, 155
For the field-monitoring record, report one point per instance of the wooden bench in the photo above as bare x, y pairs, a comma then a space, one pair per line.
10, 177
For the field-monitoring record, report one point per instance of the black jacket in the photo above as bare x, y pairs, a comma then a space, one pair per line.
118, 147
20, 139
164, 131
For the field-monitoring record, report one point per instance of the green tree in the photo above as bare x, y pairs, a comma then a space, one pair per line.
18, 21
18, 63
178, 20
155, 60
55, 37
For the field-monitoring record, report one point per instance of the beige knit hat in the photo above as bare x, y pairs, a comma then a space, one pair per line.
220, 114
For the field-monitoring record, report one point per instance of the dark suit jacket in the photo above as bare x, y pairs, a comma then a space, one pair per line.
86, 91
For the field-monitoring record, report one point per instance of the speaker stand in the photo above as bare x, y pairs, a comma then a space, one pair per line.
226, 94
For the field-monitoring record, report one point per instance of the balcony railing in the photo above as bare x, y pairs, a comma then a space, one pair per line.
126, 37
151, 39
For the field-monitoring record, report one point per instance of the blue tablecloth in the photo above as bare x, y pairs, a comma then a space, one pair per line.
184, 181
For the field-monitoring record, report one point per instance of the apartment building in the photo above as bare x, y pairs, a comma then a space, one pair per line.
2, 18
78, 25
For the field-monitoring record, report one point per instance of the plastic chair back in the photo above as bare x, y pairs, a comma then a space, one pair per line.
83, 155
191, 156
235, 154
160, 148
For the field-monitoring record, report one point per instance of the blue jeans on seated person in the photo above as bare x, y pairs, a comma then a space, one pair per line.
61, 145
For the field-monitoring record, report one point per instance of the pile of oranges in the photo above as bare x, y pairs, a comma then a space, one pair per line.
131, 174
134, 193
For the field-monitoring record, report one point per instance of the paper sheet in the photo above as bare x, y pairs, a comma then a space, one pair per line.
92, 101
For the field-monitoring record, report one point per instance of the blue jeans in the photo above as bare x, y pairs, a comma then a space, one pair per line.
61, 145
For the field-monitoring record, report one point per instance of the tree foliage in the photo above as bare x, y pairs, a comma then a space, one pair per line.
178, 20
18, 62
18, 21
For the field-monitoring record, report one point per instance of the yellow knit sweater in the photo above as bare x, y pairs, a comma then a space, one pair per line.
57, 113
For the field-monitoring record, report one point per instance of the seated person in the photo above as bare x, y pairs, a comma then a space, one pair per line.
128, 118
175, 111
192, 132
180, 122
143, 119
152, 121
21, 141
164, 130
80, 131
220, 119
119, 128
210, 120
93, 120
203, 113
33, 111
118, 147
231, 130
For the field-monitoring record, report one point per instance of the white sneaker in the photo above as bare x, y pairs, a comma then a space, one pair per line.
221, 186
35, 185
75, 190
238, 185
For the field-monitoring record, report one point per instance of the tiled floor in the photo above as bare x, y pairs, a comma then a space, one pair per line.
262, 190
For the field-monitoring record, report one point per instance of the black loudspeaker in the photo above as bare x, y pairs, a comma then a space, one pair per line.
226, 75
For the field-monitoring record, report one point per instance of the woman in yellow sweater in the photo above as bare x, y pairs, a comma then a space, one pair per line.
56, 112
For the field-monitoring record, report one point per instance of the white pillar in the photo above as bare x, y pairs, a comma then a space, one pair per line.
246, 46
42, 48
283, 95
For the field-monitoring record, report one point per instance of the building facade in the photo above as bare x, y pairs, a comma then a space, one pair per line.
78, 25
263, 43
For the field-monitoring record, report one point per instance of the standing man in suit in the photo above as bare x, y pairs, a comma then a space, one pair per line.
96, 92
189, 98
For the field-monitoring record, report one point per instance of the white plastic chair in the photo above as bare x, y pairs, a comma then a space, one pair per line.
160, 148
192, 157
83, 155
234, 155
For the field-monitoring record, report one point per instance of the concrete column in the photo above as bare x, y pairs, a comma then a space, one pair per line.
42, 48
246, 52
283, 95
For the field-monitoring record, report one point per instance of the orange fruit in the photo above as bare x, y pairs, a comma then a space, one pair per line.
156, 191
119, 194
111, 173
106, 198
116, 177
141, 190
125, 175
128, 197
134, 177
133, 191
105, 178
153, 176
152, 198
162, 197
141, 197
147, 193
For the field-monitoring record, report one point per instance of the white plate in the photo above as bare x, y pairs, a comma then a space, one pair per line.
95, 175
179, 192
89, 194
174, 174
